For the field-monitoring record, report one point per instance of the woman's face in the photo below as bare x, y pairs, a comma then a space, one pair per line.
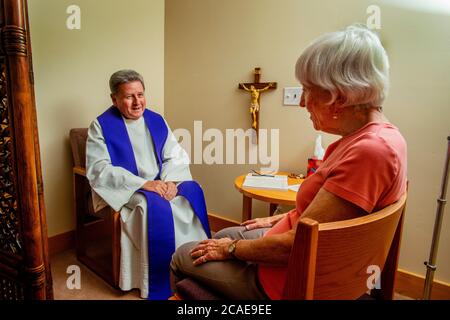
314, 99
130, 100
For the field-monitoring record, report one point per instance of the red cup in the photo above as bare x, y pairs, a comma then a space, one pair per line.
313, 165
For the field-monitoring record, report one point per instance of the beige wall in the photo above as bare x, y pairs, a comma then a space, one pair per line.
213, 45
72, 69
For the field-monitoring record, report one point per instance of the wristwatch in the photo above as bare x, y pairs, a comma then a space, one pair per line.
232, 247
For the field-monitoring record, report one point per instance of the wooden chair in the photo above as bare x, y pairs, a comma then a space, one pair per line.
335, 260
97, 233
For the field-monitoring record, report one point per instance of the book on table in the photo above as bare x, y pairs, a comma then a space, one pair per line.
275, 182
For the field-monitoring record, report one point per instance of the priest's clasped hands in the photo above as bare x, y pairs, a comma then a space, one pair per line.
167, 190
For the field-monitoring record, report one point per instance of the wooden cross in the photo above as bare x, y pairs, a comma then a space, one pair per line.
255, 90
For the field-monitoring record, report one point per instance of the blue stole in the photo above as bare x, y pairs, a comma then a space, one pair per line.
160, 226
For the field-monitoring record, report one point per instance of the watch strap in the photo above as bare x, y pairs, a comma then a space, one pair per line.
233, 243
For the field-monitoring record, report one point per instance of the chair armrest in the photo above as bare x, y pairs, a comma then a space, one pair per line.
80, 171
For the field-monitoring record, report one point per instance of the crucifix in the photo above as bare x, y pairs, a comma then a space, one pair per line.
255, 90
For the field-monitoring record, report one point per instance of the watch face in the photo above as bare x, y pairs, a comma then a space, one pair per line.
231, 247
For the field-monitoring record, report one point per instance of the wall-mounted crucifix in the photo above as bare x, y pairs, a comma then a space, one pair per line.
255, 90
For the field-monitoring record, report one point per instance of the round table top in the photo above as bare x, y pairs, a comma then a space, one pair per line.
273, 196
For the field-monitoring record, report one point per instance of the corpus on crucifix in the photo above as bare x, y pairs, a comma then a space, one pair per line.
255, 90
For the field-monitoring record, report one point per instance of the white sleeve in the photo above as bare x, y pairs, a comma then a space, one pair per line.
113, 184
176, 161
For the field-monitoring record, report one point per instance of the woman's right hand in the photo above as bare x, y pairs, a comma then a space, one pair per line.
157, 186
266, 222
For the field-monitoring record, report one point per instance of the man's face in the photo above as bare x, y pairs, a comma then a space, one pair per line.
130, 100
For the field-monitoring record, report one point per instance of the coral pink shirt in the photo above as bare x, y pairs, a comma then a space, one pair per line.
367, 168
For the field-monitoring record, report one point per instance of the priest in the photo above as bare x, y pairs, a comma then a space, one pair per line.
135, 165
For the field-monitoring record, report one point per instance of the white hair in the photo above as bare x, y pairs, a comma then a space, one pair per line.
352, 63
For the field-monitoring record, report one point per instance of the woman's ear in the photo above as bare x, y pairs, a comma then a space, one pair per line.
340, 101
338, 105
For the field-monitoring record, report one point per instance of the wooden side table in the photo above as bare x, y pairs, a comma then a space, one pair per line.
273, 197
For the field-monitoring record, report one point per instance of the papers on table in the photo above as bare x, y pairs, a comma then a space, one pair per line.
294, 187
276, 182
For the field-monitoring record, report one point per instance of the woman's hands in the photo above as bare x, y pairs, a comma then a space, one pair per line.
167, 190
266, 222
211, 250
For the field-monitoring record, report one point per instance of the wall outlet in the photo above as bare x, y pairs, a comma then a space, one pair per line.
292, 96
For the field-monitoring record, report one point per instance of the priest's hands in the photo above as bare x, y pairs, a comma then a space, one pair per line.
157, 186
167, 190
211, 250
171, 192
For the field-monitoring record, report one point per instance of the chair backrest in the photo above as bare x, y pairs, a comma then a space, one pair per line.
78, 137
335, 260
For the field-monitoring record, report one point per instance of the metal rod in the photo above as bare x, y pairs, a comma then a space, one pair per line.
431, 264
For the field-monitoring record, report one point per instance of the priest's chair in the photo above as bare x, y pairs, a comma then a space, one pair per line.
97, 233
336, 260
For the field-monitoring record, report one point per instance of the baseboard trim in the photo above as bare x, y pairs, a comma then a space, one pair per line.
411, 285
217, 222
61, 242
407, 283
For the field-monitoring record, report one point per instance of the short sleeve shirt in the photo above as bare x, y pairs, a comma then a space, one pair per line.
367, 168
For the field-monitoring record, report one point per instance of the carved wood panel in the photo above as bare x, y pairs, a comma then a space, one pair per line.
24, 267
10, 289
10, 239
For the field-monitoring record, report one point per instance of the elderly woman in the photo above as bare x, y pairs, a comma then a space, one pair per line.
345, 80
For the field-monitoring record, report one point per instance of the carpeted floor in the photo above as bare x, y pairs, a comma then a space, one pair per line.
93, 287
